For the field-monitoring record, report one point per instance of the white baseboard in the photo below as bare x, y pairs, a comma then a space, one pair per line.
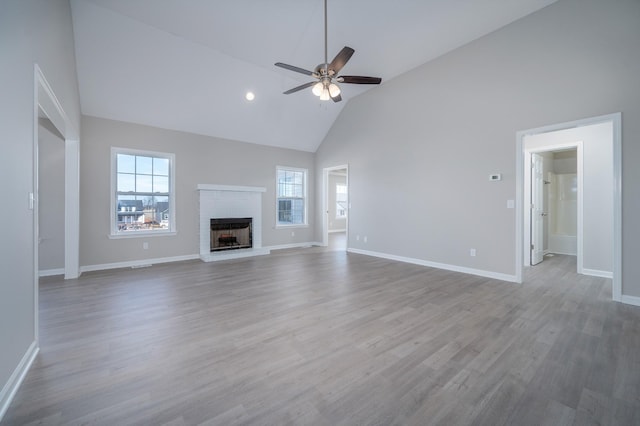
51, 272
596, 273
137, 263
630, 300
336, 230
11, 387
292, 245
567, 253
454, 268
149, 262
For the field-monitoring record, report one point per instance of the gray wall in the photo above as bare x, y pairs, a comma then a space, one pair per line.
547, 166
557, 162
31, 31
335, 224
565, 162
51, 197
199, 159
425, 142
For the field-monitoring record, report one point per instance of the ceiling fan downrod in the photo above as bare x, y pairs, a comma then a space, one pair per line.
326, 86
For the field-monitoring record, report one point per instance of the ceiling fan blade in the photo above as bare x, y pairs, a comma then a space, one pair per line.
337, 98
358, 79
341, 59
301, 87
293, 68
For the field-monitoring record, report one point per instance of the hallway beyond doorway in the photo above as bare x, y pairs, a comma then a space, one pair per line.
338, 241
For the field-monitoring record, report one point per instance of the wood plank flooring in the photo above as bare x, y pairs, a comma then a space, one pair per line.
320, 337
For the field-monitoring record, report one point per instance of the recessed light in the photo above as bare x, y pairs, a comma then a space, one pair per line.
250, 96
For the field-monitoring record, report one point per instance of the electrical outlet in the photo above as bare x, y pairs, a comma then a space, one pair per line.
472, 252
358, 237
293, 233
145, 245
365, 239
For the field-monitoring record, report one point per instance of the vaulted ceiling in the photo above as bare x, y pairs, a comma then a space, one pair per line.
187, 64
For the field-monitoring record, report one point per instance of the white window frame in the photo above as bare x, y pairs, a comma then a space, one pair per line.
305, 197
114, 232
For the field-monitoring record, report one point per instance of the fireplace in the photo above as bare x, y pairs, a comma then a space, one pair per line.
231, 233
230, 202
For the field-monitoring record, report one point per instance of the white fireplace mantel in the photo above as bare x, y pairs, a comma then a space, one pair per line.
218, 201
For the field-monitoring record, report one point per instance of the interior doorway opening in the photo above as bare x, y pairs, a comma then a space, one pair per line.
599, 252
335, 202
51, 226
556, 203
47, 109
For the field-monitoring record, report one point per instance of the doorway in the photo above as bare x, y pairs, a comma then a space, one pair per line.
599, 250
335, 207
47, 109
556, 203
50, 199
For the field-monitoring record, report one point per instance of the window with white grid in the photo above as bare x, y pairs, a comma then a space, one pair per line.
291, 196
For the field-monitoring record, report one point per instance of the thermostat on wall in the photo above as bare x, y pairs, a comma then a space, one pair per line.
497, 176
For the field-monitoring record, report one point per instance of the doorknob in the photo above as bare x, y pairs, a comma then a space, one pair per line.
544, 214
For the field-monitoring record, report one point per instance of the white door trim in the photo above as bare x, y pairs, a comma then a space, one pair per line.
325, 202
616, 120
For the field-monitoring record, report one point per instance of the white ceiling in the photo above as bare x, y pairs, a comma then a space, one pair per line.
187, 64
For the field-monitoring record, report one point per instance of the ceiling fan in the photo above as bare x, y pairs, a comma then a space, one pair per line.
326, 86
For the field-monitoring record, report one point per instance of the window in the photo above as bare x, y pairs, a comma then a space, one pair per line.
142, 200
291, 194
341, 201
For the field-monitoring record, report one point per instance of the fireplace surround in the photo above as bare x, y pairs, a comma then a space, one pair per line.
230, 202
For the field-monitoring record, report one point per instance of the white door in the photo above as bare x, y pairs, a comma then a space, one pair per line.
537, 209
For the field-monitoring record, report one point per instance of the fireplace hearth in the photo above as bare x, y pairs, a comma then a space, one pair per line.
231, 233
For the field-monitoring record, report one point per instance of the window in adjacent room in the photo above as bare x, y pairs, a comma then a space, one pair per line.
341, 201
291, 196
142, 200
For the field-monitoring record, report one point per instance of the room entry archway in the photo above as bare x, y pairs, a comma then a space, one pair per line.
326, 172
522, 204
46, 105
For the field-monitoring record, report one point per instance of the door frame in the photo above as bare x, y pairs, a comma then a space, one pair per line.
578, 145
46, 105
616, 120
325, 202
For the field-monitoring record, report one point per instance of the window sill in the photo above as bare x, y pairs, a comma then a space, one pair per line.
142, 234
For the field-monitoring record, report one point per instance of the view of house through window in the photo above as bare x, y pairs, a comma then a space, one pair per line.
341, 200
291, 196
143, 192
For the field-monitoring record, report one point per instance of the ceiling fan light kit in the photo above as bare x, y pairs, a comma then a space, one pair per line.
327, 73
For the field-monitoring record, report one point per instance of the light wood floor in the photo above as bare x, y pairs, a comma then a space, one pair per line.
338, 241
323, 337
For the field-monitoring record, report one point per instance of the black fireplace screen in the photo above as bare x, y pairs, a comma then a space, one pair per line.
231, 233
